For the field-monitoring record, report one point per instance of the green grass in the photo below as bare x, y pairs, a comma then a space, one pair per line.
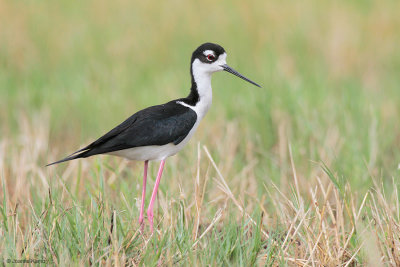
310, 160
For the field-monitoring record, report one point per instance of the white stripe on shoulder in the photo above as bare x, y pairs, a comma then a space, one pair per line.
184, 104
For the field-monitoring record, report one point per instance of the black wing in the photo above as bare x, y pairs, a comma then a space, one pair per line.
156, 125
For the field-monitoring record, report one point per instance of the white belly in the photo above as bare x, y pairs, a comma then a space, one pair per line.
143, 153
147, 152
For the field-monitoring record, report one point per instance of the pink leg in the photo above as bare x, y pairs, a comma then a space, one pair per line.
150, 213
146, 164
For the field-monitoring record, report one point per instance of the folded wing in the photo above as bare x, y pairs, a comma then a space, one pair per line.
156, 125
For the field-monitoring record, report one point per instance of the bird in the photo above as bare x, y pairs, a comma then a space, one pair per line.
158, 132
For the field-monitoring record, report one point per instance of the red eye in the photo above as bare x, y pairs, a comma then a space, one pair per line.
210, 57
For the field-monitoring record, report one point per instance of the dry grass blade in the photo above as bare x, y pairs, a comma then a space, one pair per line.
290, 230
296, 182
354, 255
229, 192
216, 218
297, 229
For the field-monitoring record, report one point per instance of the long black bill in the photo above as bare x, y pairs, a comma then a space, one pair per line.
234, 72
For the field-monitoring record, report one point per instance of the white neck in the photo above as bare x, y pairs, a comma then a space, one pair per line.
202, 77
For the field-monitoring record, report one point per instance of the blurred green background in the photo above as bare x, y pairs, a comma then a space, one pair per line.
329, 70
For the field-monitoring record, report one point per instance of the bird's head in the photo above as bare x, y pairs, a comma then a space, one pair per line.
209, 58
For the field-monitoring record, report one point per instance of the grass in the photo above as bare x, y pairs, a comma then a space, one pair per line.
303, 172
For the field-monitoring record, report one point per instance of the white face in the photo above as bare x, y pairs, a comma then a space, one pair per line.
210, 63
210, 60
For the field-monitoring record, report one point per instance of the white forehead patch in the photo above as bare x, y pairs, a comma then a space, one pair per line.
222, 57
208, 52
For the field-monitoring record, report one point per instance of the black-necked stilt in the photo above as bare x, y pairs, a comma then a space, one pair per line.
158, 132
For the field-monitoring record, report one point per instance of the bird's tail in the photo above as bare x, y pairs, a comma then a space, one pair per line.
76, 155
